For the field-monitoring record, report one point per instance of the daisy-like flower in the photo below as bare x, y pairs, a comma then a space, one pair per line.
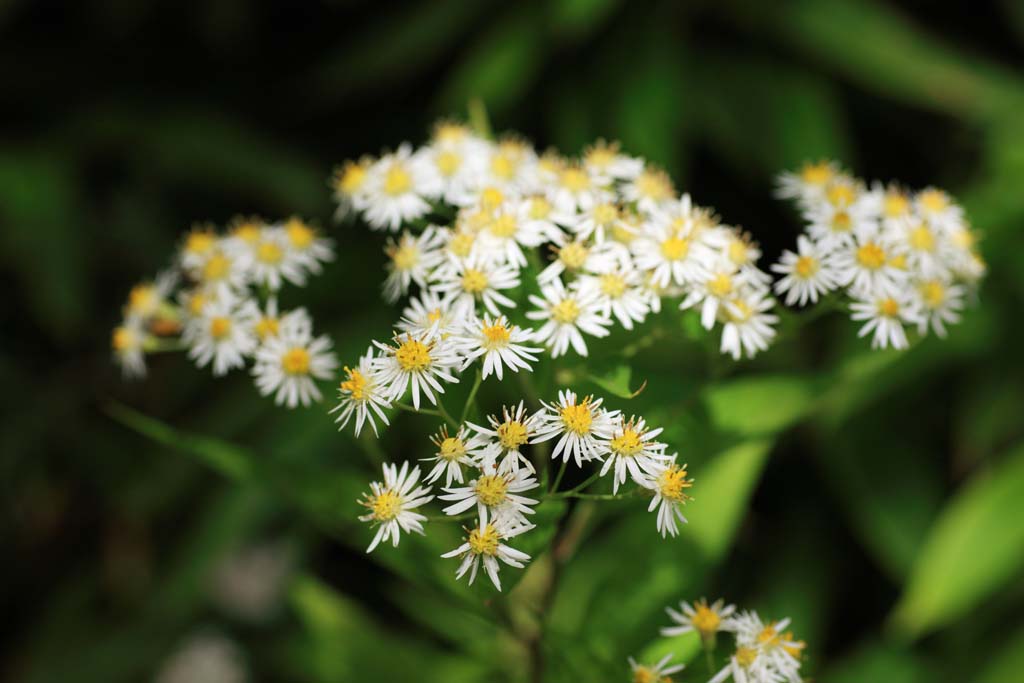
452, 453
925, 246
835, 227
632, 449
411, 259
349, 183
649, 190
510, 434
574, 188
507, 231
670, 253
606, 160
397, 185
746, 665
885, 316
579, 257
809, 183
938, 303
500, 343
457, 156
362, 396
419, 361
390, 504
565, 314
223, 272
496, 497
149, 299
869, 267
128, 344
222, 333
778, 654
306, 244
655, 673
720, 283
427, 314
272, 259
484, 544
197, 246
619, 293
748, 326
808, 273
669, 483
743, 252
289, 363
474, 280
706, 619
600, 221
583, 427
269, 322
544, 219
938, 207
510, 166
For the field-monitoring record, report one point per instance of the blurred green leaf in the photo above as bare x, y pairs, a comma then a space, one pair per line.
578, 18
1006, 665
971, 551
616, 382
759, 405
879, 662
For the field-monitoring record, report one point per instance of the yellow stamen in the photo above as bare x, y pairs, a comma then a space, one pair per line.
220, 328
565, 311
355, 384
578, 417
871, 256
806, 267
397, 180
675, 248
474, 281
413, 355
484, 542
295, 361
672, 483
491, 489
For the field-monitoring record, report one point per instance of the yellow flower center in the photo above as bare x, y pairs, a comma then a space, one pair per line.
705, 619
565, 311
643, 674
895, 204
491, 198
503, 226
386, 506
738, 252
474, 281
484, 542
448, 131
574, 179
196, 304
540, 208
605, 214
806, 267
816, 174
413, 355
142, 299
355, 384
964, 239
889, 308
295, 361
739, 312
269, 253
247, 232
934, 200
746, 656
512, 434
922, 239
933, 293
220, 327
675, 248
199, 241
720, 285
448, 163
871, 256
768, 637
573, 255
496, 335
491, 489
123, 339
841, 194
461, 244
628, 443
266, 327
841, 221
613, 285
299, 234
452, 448
672, 483
577, 417
503, 166
216, 267
654, 185
351, 178
397, 181
405, 257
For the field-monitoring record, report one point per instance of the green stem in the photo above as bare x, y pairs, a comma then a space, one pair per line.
471, 399
452, 518
478, 118
590, 480
592, 496
558, 478
443, 412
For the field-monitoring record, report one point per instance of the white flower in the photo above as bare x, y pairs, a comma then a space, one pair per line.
870, 267
809, 183
128, 341
500, 343
507, 231
650, 189
808, 273
670, 252
600, 221
149, 299
397, 185
748, 325
474, 280
620, 293
452, 453
574, 188
720, 283
390, 504
926, 247
223, 333
938, 303
544, 219
361, 395
777, 655
631, 449
705, 619
605, 160
514, 430
835, 227
269, 323
288, 364
307, 246
411, 260
937, 207
222, 271
457, 157
566, 313
657, 673
428, 314
420, 361
484, 543
272, 259
495, 495
350, 183
885, 316
579, 257
583, 427
511, 165
669, 484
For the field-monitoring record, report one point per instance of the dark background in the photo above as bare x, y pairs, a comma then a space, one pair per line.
125, 122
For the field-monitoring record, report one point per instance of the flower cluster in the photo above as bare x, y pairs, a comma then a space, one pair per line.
219, 301
903, 258
763, 652
492, 476
482, 227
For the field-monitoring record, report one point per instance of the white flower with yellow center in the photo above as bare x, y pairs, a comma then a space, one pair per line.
361, 395
631, 450
654, 673
484, 545
411, 259
778, 654
870, 267
575, 189
149, 299
748, 327
741, 249
706, 619
507, 232
223, 271
268, 323
620, 293
306, 244
453, 452
511, 166
669, 483
390, 504
506, 439
128, 344
669, 251
807, 274
567, 313
938, 208
457, 160
649, 190
289, 364
222, 333
473, 281
500, 343
496, 496
836, 227
926, 247
606, 160
582, 426
350, 184
885, 315
938, 303
272, 260
397, 187
428, 314
809, 183
198, 245
601, 221
417, 360
746, 665
579, 257
544, 219
721, 282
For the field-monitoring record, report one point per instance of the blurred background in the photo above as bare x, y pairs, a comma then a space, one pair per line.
875, 498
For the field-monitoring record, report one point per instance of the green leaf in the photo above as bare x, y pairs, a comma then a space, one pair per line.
974, 548
578, 18
1007, 663
759, 405
879, 662
616, 382
720, 495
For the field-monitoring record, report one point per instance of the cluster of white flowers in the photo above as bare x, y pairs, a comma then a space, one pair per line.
904, 259
483, 227
492, 475
763, 652
225, 308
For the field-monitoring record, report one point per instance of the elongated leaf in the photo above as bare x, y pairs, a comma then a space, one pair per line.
973, 549
617, 382
759, 405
